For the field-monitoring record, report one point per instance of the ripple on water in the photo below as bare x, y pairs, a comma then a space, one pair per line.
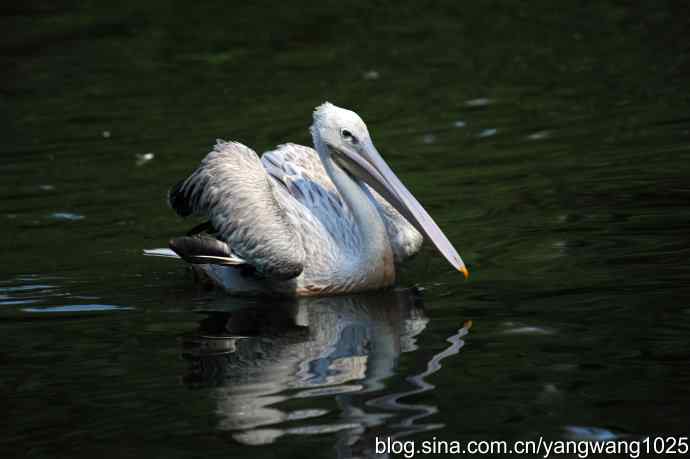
332, 390
66, 216
539, 135
9, 301
77, 308
371, 75
306, 414
516, 329
478, 102
11, 295
429, 139
26, 288
267, 436
487, 133
259, 436
589, 433
143, 158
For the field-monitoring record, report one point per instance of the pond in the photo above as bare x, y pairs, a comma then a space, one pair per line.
551, 143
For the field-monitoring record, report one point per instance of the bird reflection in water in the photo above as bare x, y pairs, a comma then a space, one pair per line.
262, 361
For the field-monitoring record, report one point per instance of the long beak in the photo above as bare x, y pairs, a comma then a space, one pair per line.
375, 172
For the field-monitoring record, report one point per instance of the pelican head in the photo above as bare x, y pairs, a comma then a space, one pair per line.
342, 135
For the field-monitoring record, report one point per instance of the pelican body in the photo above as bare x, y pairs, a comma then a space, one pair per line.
303, 221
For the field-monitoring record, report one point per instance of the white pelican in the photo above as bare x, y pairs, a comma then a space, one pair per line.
299, 221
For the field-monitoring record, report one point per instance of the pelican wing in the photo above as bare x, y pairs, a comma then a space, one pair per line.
232, 189
298, 165
301, 171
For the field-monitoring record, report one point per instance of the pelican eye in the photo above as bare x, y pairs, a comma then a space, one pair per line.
348, 136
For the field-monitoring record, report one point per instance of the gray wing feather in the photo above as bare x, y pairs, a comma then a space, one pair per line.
301, 171
292, 162
232, 189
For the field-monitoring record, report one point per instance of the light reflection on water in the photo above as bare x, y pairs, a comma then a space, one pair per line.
77, 308
258, 359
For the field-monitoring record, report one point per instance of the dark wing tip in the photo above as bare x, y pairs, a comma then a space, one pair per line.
179, 201
195, 249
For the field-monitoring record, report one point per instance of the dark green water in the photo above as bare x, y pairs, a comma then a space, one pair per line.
550, 141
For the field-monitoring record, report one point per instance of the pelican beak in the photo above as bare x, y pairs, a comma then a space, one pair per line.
368, 165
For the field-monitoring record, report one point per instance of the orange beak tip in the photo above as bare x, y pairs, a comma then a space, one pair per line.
464, 272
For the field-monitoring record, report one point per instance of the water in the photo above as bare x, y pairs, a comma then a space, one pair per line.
551, 143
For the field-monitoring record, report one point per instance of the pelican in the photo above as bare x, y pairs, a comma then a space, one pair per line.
300, 221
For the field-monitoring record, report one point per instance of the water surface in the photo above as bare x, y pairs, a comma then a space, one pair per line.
552, 143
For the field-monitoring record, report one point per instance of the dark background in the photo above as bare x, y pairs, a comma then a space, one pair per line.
550, 140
